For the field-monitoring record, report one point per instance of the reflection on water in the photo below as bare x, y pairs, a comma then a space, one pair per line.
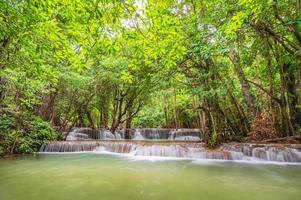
101, 176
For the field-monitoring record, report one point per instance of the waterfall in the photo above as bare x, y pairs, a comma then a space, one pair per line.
106, 135
277, 153
155, 133
167, 134
80, 134
118, 136
189, 150
185, 134
135, 134
177, 143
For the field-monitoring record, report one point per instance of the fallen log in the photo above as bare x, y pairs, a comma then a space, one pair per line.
290, 139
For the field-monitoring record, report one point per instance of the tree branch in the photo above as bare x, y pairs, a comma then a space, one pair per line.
265, 90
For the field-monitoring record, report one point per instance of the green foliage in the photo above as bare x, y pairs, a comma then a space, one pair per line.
208, 64
150, 117
24, 136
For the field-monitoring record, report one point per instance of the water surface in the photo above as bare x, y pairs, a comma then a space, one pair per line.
110, 177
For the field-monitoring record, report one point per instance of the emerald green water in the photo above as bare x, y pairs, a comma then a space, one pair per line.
105, 177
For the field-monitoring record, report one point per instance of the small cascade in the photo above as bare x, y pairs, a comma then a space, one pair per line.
118, 136
166, 134
82, 134
70, 146
189, 150
276, 153
185, 134
150, 133
176, 151
106, 135
155, 133
137, 135
92, 134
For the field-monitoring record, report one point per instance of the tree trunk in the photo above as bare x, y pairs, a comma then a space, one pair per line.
128, 124
104, 111
273, 104
88, 114
176, 125
245, 87
287, 127
295, 111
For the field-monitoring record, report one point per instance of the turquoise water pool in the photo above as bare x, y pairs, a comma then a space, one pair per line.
100, 176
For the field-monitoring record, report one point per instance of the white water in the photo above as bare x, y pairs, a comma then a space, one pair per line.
118, 136
184, 135
135, 134
139, 148
106, 135
190, 150
76, 134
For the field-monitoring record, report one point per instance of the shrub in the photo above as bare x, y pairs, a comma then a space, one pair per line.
24, 134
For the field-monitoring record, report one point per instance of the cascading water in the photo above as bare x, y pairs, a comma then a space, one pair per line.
168, 134
185, 134
135, 134
189, 150
118, 136
179, 143
106, 135
79, 134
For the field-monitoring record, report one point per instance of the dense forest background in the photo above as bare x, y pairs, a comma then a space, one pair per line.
229, 67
